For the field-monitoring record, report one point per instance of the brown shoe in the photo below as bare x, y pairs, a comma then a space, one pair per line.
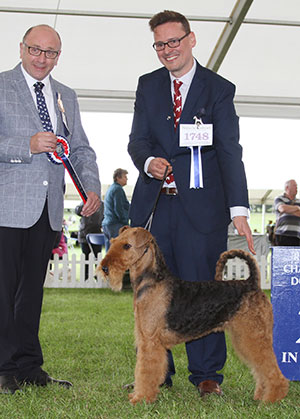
209, 387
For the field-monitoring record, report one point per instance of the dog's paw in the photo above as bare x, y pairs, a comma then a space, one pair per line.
135, 398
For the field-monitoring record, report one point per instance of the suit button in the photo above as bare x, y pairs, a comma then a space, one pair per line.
45, 183
172, 160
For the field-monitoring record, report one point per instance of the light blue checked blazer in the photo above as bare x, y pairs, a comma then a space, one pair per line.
26, 181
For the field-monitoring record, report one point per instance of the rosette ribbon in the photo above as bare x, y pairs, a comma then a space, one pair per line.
61, 155
196, 176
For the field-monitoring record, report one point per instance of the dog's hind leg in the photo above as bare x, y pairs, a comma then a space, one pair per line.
150, 370
251, 336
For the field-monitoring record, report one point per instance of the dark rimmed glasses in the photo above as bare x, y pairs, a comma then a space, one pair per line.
173, 43
35, 51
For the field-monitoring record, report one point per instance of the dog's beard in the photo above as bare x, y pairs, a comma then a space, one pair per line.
115, 280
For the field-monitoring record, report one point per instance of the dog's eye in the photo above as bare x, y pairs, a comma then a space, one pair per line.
127, 246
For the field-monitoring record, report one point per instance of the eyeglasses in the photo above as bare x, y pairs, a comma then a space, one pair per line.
173, 43
36, 52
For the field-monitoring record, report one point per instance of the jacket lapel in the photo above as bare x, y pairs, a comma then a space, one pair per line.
60, 129
164, 112
192, 105
25, 97
194, 98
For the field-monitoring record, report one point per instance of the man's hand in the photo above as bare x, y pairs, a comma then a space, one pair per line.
43, 142
158, 166
242, 226
92, 204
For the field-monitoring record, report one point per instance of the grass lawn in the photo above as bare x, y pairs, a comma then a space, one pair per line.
87, 338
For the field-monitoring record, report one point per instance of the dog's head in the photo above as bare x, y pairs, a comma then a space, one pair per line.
126, 252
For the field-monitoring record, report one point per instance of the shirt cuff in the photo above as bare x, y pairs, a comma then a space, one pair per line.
239, 211
146, 165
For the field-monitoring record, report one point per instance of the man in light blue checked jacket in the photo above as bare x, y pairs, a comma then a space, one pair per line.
32, 199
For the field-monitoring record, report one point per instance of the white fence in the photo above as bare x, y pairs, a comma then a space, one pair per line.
238, 269
70, 272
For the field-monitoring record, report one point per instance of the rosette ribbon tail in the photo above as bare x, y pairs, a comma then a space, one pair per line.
77, 182
196, 175
61, 155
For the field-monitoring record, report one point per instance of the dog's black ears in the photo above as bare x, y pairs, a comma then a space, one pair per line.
123, 229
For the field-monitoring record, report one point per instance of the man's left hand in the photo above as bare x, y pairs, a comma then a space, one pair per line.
242, 226
92, 204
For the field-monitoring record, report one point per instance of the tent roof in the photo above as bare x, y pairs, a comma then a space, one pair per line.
107, 46
264, 196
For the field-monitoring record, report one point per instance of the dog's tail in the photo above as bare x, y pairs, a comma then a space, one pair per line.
254, 272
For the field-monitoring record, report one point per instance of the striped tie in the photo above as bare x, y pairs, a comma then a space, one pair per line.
177, 102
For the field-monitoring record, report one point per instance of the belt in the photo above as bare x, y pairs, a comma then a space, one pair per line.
169, 191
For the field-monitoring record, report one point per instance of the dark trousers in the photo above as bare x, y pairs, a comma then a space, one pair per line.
24, 256
286, 240
191, 256
110, 231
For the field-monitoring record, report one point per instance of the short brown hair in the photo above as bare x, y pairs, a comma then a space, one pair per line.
169, 16
119, 173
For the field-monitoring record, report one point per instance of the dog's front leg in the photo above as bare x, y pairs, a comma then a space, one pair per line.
150, 371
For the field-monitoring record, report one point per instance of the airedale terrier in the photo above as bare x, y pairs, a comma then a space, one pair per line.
169, 311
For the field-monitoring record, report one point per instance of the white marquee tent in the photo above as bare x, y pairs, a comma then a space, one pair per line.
107, 46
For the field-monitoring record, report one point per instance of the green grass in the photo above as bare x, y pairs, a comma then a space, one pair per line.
87, 337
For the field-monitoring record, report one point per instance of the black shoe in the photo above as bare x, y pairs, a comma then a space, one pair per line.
129, 386
165, 384
8, 384
42, 378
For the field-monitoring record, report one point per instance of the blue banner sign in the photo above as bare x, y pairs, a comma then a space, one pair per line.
285, 297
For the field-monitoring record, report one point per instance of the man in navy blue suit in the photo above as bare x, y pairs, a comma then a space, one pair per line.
206, 185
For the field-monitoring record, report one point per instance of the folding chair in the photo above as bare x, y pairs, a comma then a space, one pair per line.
96, 239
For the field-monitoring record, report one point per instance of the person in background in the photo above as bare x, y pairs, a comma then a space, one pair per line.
287, 208
87, 225
34, 109
270, 230
196, 202
60, 248
116, 207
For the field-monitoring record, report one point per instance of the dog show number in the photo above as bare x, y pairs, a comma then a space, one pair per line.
195, 135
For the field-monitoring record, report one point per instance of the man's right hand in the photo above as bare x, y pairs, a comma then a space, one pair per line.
43, 142
157, 167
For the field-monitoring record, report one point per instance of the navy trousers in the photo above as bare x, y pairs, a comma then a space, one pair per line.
24, 256
191, 256
110, 231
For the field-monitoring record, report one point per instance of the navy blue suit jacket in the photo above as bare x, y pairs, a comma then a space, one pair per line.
211, 97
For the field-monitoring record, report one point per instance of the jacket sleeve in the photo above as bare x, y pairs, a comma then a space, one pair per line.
140, 147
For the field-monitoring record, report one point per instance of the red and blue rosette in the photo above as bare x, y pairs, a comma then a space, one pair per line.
61, 155
62, 148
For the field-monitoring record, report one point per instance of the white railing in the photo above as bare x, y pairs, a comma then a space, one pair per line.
238, 269
70, 272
